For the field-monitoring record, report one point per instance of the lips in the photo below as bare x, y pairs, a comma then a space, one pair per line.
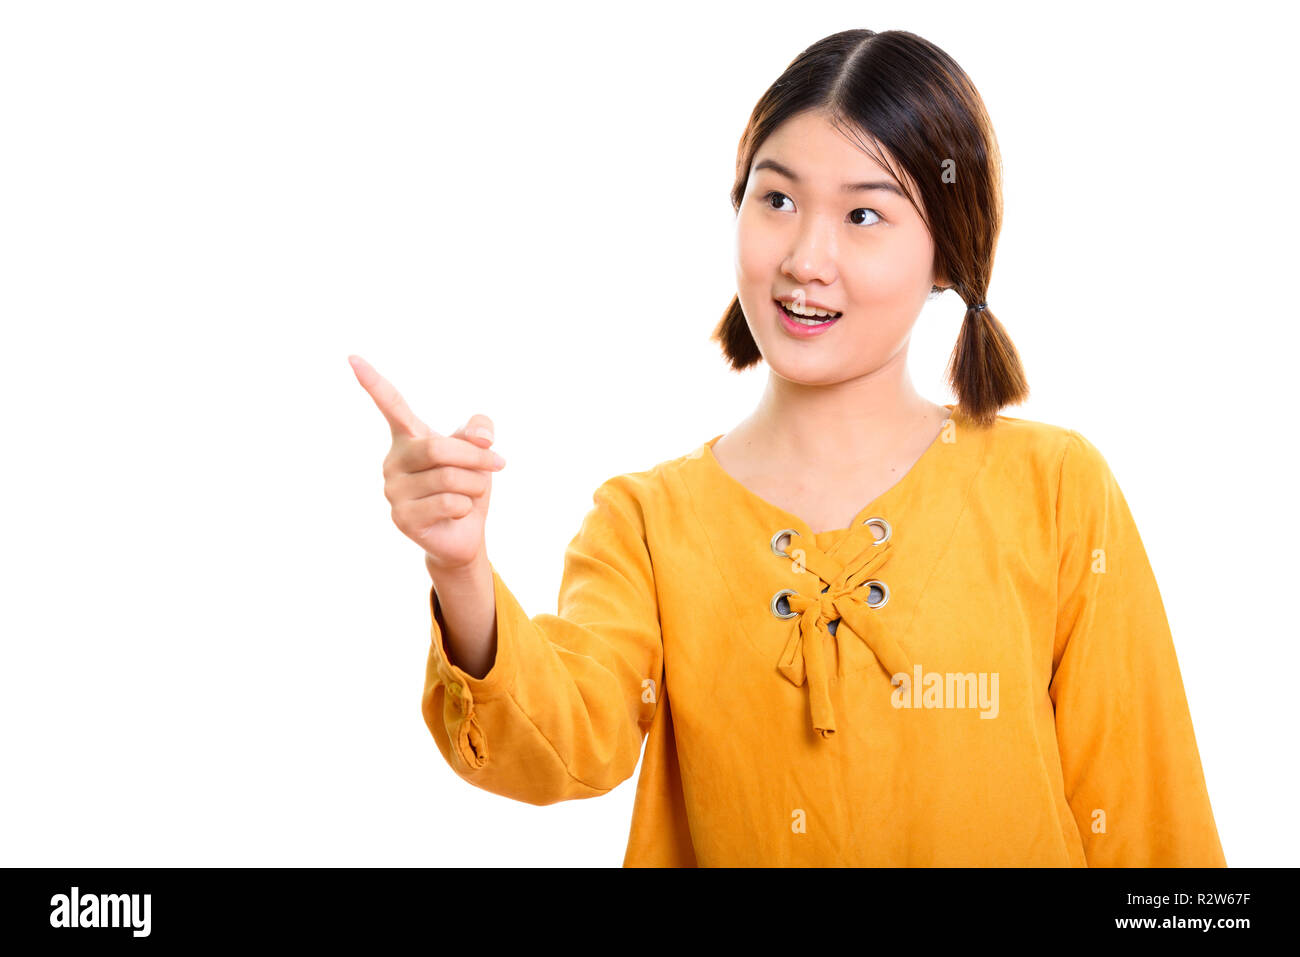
782, 306
809, 304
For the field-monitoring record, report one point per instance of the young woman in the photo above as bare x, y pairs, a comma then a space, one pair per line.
860, 628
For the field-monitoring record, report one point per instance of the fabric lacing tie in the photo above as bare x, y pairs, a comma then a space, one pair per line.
844, 597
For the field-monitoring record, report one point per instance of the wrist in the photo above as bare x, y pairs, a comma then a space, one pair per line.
457, 575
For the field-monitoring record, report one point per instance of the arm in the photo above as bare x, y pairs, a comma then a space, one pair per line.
464, 608
565, 702
1132, 770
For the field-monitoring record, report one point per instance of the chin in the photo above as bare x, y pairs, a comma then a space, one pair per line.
825, 369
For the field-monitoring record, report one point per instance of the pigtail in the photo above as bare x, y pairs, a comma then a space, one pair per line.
732, 333
985, 370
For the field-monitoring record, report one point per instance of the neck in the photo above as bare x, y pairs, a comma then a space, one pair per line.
844, 426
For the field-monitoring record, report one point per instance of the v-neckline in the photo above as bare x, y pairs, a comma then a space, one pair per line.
907, 478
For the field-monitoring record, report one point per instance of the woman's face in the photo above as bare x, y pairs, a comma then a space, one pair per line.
803, 235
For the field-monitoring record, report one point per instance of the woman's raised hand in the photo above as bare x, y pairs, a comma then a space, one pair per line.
438, 485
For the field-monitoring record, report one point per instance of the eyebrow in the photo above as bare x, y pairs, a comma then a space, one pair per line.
888, 186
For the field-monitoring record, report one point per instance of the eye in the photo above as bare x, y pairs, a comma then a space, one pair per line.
767, 198
863, 209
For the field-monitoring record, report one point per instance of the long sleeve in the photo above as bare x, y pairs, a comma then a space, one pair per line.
569, 698
1132, 770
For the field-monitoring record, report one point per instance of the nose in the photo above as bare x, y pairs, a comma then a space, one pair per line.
812, 257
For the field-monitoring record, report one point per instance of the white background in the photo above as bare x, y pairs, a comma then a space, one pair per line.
214, 637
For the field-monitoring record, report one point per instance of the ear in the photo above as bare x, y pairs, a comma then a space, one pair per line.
937, 278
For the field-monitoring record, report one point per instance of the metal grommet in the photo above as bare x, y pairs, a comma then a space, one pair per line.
776, 601
885, 526
876, 586
776, 541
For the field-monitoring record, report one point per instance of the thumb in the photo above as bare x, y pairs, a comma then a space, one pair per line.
479, 430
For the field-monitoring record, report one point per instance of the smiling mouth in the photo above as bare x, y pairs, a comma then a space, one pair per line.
806, 320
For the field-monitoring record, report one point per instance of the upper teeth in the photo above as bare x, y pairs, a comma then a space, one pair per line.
805, 311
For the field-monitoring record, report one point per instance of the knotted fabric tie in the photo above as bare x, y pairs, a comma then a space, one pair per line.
844, 598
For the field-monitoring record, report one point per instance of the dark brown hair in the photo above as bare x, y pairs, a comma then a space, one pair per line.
911, 98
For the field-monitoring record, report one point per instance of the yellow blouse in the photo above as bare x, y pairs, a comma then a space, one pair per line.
834, 699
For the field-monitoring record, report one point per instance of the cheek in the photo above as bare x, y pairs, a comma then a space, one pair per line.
756, 252
892, 270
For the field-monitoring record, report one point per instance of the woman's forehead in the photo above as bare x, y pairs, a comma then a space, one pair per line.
859, 175
803, 145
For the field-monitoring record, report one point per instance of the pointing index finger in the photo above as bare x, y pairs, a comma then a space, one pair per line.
400, 418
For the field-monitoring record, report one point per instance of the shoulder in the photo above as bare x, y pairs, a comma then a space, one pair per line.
1026, 450
1028, 439
1044, 459
646, 490
1043, 442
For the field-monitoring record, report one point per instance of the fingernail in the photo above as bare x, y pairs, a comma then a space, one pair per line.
497, 460
483, 432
